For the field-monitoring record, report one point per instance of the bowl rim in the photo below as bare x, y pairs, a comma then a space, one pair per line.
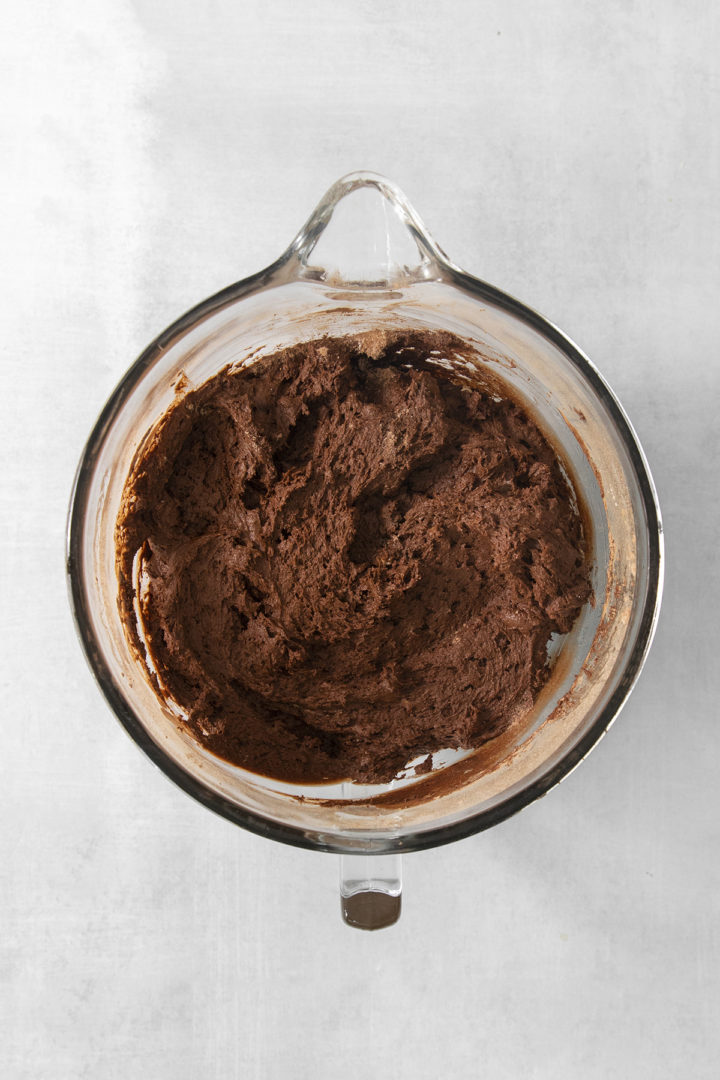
308, 837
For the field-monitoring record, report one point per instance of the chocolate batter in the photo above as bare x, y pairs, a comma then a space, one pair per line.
341, 561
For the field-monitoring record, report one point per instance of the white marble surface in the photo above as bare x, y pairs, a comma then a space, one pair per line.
152, 153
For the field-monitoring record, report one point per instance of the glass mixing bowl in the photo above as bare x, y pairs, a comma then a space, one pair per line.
364, 261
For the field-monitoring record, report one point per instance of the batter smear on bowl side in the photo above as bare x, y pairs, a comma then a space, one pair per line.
342, 557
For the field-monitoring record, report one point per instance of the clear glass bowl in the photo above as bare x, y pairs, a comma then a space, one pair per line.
364, 261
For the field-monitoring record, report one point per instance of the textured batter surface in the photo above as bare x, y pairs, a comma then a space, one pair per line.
342, 561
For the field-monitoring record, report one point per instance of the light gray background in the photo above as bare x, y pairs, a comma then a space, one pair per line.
155, 151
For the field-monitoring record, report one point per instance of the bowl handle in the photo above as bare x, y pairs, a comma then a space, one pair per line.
364, 234
370, 890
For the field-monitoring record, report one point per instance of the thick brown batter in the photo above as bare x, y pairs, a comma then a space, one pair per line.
346, 562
